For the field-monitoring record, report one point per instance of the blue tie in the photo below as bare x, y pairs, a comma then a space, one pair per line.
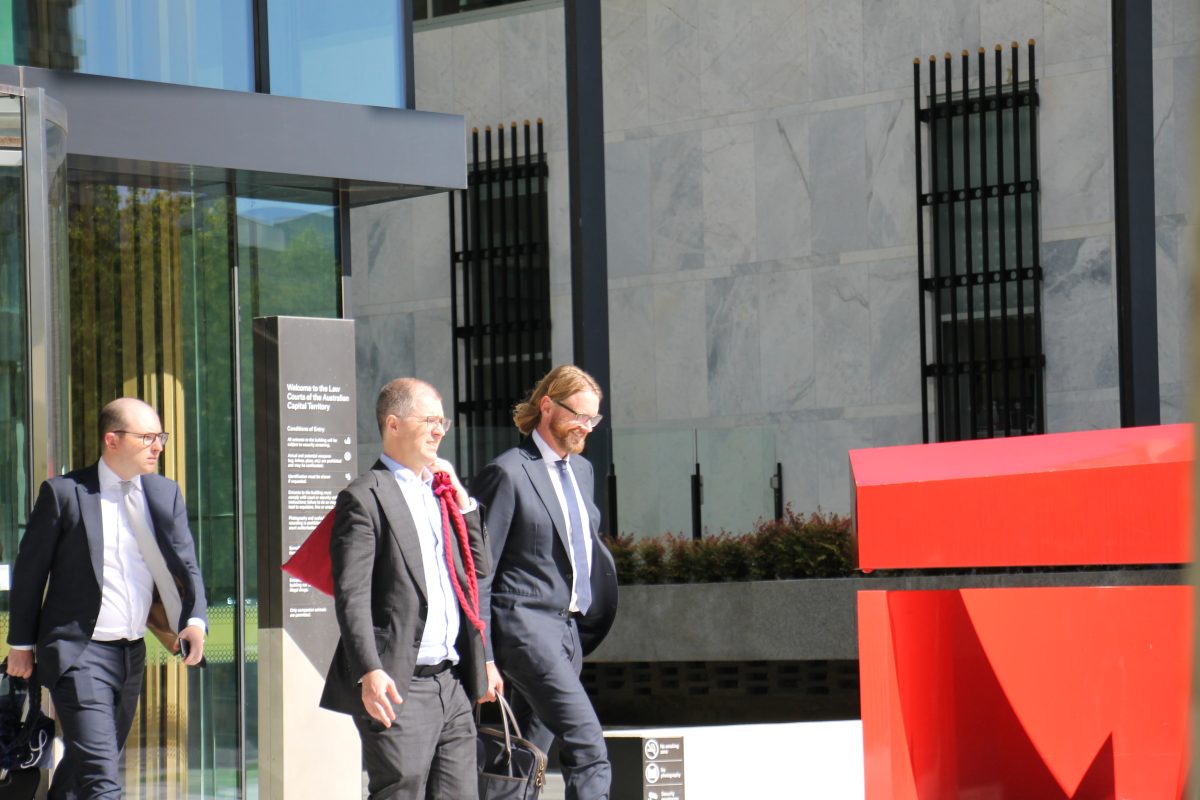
583, 580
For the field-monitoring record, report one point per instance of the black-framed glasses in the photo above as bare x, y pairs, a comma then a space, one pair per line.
148, 438
582, 419
435, 421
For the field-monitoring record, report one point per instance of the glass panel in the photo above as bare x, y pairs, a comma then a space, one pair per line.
346, 52
287, 257
191, 42
14, 379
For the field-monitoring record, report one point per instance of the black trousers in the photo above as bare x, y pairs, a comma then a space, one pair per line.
95, 700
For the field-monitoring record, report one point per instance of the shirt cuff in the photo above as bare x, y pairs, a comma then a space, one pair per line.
20, 647
471, 506
199, 623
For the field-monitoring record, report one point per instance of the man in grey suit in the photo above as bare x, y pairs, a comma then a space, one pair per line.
410, 663
542, 523
107, 553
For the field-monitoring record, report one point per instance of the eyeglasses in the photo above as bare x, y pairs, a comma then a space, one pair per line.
148, 438
582, 419
436, 421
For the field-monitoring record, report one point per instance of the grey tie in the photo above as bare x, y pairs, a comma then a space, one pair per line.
583, 579
168, 592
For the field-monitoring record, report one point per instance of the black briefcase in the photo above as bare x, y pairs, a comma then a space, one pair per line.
510, 768
26, 736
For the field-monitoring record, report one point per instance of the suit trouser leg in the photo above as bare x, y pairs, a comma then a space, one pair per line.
95, 700
429, 752
551, 702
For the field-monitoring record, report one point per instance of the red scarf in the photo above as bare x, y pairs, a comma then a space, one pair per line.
443, 488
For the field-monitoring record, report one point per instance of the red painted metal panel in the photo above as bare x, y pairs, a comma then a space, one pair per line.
1093, 497
1077, 693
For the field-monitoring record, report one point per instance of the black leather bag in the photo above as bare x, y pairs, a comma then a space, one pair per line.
510, 768
26, 736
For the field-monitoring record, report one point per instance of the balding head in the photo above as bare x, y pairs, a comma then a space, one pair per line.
116, 415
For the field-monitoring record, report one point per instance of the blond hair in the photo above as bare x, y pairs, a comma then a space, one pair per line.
558, 384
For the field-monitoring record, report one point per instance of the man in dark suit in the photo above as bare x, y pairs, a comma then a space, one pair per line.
409, 665
107, 553
542, 523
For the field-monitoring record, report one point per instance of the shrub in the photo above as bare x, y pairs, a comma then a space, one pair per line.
795, 546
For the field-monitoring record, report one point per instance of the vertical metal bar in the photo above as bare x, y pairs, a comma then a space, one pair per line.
344, 256
1002, 236
935, 208
697, 502
1036, 246
453, 197
493, 250
952, 233
406, 46
987, 254
920, 249
527, 271
969, 245
262, 47
1018, 242
613, 525
500, 287
543, 280
512, 281
777, 489
475, 388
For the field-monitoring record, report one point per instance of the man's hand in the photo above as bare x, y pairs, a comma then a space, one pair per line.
442, 465
20, 663
194, 635
495, 683
378, 693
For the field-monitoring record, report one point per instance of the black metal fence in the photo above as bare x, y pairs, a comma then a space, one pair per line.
500, 288
978, 248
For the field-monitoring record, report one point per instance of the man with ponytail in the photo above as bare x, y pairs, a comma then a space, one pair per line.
408, 552
542, 524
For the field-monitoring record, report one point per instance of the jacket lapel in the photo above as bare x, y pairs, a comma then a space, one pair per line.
88, 493
535, 467
400, 524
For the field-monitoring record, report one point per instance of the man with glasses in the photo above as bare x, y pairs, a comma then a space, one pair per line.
107, 553
409, 665
542, 521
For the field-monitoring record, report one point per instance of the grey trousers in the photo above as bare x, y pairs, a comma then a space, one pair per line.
429, 751
95, 701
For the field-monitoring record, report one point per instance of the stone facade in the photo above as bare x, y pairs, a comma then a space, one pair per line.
762, 226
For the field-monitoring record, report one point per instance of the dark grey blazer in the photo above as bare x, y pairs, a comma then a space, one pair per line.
62, 554
530, 590
380, 593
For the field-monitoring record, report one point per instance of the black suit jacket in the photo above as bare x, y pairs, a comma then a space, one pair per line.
380, 593
531, 584
62, 555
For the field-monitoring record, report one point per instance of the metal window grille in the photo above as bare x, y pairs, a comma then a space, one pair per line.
978, 248
500, 284
428, 9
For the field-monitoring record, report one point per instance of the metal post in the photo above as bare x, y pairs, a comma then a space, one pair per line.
1133, 169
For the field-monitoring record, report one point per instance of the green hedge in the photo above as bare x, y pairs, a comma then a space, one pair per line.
796, 546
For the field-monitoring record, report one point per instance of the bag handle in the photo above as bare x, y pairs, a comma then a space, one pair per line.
509, 720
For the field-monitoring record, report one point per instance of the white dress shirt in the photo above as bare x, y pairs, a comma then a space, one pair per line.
128, 587
551, 460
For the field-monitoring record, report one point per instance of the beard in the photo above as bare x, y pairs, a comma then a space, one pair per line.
568, 436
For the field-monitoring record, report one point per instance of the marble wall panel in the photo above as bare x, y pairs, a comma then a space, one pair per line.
383, 349
838, 180
477, 75
779, 75
625, 43
737, 465
1185, 90
1075, 141
555, 112
896, 430
429, 247
1006, 21
379, 237
633, 396
1186, 19
1079, 325
1082, 411
1167, 177
728, 35
677, 202
675, 60
524, 83
627, 207
786, 346
1164, 23
895, 333
1173, 314
653, 468
891, 41
842, 336
891, 206
781, 188
730, 226
732, 337
835, 49
680, 350
433, 70
1075, 30
949, 26
796, 450
433, 345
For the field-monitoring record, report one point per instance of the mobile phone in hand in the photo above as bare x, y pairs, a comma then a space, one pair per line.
185, 647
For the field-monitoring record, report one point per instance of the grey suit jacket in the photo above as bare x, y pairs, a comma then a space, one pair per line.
380, 593
62, 554
528, 594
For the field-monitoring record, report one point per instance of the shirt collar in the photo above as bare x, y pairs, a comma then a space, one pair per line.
111, 480
404, 474
547, 451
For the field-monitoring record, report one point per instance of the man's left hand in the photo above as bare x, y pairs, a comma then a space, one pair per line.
495, 683
194, 635
442, 465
